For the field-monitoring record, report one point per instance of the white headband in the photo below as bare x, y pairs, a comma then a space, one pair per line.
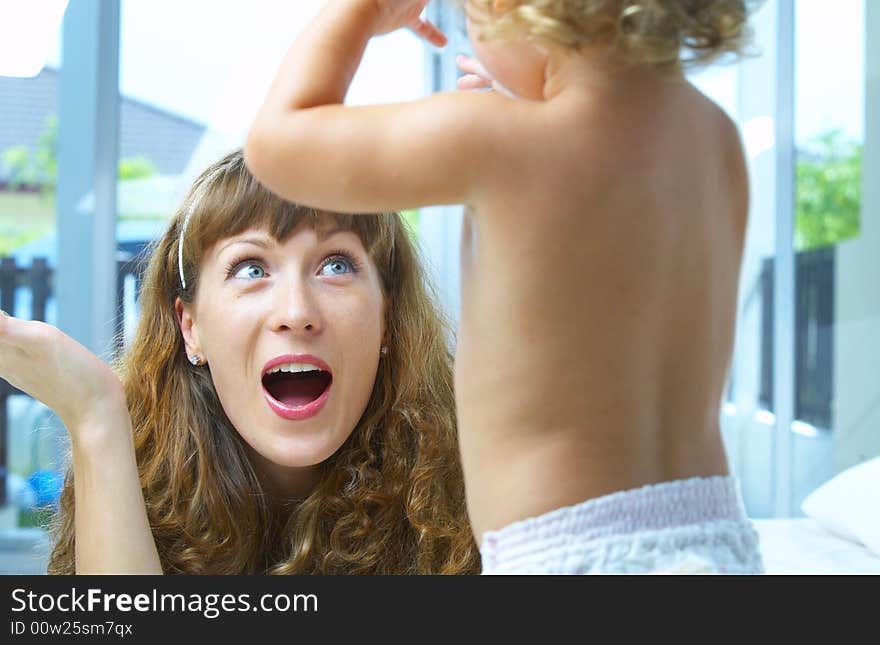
197, 197
189, 213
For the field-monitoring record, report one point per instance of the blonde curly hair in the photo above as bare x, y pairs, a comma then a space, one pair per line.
663, 33
389, 501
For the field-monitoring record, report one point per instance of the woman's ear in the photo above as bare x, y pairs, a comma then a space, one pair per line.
188, 328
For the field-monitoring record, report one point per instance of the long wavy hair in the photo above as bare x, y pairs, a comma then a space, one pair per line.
389, 501
663, 33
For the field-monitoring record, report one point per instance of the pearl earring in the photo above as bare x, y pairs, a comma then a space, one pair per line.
384, 350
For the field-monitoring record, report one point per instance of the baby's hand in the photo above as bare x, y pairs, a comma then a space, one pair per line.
476, 77
394, 14
50, 366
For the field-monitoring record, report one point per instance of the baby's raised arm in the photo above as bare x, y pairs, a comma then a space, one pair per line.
305, 145
112, 530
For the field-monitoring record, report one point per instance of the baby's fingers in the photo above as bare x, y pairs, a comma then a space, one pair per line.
470, 65
473, 82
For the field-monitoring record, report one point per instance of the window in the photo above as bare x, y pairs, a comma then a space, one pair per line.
28, 176
191, 76
832, 243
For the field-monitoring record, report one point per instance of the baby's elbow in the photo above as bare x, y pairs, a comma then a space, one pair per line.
255, 151
277, 166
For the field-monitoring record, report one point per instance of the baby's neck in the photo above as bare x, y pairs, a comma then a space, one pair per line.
593, 70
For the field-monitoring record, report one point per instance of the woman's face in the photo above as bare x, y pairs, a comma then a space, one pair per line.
292, 333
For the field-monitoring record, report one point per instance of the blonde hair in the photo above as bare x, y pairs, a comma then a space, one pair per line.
653, 32
391, 500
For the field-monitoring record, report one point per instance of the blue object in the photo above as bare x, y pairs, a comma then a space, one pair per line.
47, 485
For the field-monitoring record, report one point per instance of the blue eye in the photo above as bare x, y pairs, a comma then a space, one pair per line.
250, 271
336, 265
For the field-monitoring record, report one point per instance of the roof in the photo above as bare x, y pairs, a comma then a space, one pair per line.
166, 139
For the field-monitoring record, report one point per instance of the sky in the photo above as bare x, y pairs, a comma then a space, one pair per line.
212, 61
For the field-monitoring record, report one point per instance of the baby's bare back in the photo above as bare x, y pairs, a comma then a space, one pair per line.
599, 283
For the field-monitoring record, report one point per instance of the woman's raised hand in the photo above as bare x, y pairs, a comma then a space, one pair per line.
50, 366
394, 14
112, 530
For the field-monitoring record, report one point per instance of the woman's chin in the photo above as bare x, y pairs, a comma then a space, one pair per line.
298, 452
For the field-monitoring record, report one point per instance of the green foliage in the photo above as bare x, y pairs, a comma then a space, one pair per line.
11, 240
24, 217
40, 168
15, 162
829, 191
136, 168
37, 169
46, 155
411, 220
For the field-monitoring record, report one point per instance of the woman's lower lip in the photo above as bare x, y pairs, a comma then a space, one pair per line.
299, 413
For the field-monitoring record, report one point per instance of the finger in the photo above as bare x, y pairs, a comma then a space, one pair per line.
426, 30
473, 82
470, 65
498, 87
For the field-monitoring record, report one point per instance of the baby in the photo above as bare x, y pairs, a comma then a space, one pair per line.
606, 203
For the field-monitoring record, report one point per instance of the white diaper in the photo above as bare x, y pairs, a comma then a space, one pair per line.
696, 525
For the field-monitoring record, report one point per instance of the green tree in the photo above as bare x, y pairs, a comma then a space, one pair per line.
40, 167
829, 191
136, 168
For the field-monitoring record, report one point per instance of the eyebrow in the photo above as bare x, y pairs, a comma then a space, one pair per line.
264, 241
324, 235
256, 241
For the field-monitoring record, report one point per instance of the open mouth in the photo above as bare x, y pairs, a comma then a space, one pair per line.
297, 389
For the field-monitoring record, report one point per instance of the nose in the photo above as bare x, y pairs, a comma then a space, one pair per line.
296, 308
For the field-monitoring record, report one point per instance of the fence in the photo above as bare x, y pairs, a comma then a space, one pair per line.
814, 335
39, 279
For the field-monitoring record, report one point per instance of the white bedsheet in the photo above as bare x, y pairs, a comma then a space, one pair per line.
802, 546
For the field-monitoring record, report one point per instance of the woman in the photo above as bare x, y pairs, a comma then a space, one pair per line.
288, 392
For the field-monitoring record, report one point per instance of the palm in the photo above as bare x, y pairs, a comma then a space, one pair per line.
50, 366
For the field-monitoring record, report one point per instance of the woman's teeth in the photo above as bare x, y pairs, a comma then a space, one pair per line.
294, 367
